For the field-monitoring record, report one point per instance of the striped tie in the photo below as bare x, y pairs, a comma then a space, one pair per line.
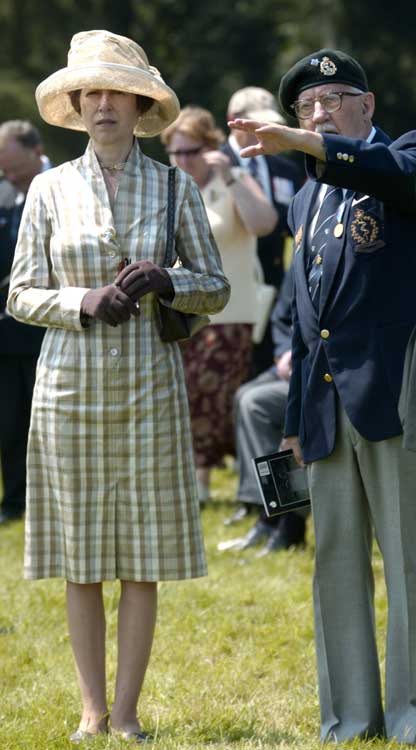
327, 213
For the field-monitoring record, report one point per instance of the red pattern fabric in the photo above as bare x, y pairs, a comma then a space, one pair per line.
217, 362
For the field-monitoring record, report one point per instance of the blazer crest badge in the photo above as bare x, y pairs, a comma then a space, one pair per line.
364, 228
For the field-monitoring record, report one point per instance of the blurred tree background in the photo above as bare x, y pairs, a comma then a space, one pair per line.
206, 49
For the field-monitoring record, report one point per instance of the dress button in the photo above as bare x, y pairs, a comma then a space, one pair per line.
111, 254
324, 333
328, 377
114, 352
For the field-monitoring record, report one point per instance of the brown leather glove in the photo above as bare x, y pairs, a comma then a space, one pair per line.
108, 304
143, 277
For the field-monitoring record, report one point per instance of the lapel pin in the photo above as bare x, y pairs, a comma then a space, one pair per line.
298, 237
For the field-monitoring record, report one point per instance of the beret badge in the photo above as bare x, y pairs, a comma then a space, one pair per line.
327, 67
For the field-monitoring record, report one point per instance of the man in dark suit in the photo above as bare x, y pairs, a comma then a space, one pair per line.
259, 417
354, 310
21, 158
280, 178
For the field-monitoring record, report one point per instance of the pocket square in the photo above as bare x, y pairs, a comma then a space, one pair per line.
358, 200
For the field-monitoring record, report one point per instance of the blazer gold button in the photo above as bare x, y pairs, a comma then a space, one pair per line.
339, 155
345, 157
328, 377
351, 158
324, 333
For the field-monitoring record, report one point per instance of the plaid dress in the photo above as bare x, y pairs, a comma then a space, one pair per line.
111, 482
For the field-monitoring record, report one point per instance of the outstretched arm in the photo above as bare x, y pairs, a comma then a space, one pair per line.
273, 139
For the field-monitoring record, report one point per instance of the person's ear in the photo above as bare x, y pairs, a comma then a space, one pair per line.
368, 105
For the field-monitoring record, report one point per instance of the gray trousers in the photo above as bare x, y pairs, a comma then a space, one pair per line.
363, 486
259, 418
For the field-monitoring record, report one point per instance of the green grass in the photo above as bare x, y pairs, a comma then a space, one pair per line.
233, 664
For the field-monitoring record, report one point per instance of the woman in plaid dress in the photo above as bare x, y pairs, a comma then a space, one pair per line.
111, 481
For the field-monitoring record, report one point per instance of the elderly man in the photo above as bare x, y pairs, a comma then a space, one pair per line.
355, 279
21, 158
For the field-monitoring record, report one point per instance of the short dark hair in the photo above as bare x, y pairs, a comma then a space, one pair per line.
143, 102
21, 131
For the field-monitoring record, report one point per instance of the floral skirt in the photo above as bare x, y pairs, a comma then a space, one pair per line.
217, 362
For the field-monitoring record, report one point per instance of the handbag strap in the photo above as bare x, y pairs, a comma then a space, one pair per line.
170, 240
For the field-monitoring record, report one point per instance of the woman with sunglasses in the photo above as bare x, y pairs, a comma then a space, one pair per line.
217, 359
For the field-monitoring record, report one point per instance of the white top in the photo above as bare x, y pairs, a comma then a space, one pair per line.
262, 178
237, 248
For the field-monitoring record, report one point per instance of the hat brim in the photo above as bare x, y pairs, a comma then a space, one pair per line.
52, 95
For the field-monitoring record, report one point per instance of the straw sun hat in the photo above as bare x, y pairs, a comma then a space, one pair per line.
100, 59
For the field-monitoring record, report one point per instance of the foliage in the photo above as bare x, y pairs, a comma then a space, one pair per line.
233, 665
207, 50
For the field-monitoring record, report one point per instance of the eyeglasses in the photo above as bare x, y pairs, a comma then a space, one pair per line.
186, 151
304, 108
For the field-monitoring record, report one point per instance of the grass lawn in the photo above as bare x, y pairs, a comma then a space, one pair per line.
233, 663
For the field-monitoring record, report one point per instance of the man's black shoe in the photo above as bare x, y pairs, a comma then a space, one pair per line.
255, 535
239, 515
278, 541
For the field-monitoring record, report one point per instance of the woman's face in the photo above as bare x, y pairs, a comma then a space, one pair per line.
109, 116
188, 154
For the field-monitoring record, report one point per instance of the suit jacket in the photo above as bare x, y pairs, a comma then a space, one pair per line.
270, 248
15, 338
354, 346
281, 317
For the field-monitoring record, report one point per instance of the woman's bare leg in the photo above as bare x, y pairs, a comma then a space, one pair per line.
136, 624
86, 622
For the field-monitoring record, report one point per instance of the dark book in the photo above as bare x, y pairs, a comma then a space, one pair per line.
283, 483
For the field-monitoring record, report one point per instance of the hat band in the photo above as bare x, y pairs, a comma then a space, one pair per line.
106, 66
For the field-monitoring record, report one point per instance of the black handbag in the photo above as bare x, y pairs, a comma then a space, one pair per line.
175, 325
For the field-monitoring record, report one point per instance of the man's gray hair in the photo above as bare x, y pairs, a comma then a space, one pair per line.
19, 130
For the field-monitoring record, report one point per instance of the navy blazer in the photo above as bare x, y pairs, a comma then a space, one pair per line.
354, 346
270, 248
281, 317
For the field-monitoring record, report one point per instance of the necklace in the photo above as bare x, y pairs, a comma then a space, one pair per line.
114, 167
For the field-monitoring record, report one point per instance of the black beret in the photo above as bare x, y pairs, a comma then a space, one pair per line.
324, 66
